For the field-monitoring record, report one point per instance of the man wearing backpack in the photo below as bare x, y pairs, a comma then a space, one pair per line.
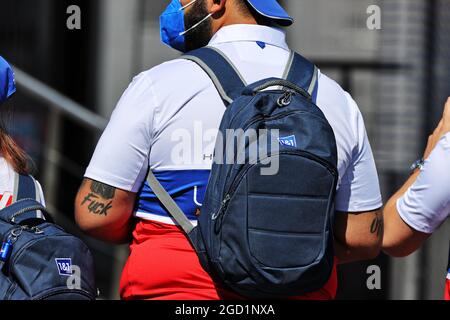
158, 124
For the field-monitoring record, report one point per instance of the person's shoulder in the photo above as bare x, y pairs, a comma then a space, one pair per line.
333, 90
163, 78
332, 95
174, 77
171, 72
342, 112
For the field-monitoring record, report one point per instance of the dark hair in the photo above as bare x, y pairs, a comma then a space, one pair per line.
243, 6
247, 10
10, 150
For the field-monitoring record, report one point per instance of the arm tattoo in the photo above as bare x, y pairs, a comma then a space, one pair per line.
103, 190
99, 200
377, 225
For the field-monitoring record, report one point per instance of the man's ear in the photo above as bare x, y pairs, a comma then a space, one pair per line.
216, 6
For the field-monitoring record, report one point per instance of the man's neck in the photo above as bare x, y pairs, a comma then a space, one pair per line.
235, 20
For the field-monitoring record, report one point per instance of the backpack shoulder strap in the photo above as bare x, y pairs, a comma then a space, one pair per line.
25, 188
303, 73
227, 79
169, 203
26, 201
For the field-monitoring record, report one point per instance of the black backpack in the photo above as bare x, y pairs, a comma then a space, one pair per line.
38, 259
266, 236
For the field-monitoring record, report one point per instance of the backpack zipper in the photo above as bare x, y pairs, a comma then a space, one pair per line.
261, 117
37, 231
286, 98
8, 243
218, 218
10, 290
284, 92
249, 124
65, 290
222, 207
30, 208
252, 121
11, 238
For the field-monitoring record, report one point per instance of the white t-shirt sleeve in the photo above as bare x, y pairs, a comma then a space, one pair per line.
426, 204
121, 156
40, 193
359, 188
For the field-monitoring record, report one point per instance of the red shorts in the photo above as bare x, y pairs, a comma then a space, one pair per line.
164, 266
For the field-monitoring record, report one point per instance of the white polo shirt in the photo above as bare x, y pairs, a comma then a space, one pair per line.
169, 116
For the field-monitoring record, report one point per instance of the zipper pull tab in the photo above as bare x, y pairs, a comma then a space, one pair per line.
285, 99
222, 206
5, 251
7, 245
36, 230
220, 214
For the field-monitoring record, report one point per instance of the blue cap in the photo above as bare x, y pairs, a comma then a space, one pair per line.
273, 10
7, 83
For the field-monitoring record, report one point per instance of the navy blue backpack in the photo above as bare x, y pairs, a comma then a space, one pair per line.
266, 235
38, 259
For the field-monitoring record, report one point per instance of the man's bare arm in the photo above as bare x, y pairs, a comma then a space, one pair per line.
400, 239
358, 236
104, 212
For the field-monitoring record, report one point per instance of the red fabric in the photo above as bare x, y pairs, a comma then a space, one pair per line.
163, 266
447, 290
9, 200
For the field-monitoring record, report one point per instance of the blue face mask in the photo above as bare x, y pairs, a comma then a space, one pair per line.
7, 83
172, 25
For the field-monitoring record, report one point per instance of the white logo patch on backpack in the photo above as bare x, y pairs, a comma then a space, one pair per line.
288, 141
64, 266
